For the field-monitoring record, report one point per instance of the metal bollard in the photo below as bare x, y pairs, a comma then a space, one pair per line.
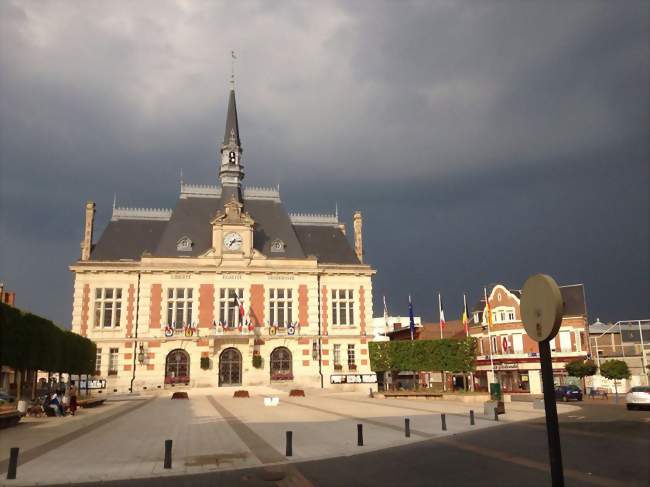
443, 418
289, 452
496, 414
471, 417
407, 427
13, 463
359, 435
168, 454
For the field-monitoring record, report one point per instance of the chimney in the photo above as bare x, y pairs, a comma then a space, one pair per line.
358, 240
87, 243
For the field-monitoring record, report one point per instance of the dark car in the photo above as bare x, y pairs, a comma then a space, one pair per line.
567, 393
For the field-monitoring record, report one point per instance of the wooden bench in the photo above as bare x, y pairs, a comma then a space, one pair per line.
10, 418
600, 392
90, 403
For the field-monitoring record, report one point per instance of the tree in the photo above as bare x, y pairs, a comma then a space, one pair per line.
581, 369
430, 355
615, 370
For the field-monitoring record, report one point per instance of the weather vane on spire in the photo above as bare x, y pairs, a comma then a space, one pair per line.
232, 69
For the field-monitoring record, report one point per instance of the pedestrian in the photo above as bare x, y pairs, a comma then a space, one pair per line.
72, 393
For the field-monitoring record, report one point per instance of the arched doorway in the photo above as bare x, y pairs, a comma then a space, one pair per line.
281, 364
230, 367
177, 367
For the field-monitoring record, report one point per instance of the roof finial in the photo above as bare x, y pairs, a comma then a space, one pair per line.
232, 70
181, 178
336, 211
114, 200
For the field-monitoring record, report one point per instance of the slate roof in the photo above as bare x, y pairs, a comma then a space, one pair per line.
327, 243
232, 124
128, 239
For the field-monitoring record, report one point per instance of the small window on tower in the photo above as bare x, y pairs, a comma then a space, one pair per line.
184, 244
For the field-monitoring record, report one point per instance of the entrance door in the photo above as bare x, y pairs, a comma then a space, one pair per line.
177, 367
230, 367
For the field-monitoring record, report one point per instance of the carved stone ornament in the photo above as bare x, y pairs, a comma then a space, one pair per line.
234, 214
184, 244
277, 246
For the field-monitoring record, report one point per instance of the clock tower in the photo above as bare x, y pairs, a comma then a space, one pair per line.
231, 170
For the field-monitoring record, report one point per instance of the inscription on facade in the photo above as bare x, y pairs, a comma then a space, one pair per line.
181, 276
232, 277
281, 277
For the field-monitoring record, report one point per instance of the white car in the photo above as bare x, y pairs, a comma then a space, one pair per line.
638, 397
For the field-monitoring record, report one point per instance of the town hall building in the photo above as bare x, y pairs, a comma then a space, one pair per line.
225, 289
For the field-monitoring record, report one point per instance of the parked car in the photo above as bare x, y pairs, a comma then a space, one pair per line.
567, 393
638, 397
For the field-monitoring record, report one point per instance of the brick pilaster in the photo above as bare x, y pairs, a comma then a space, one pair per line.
85, 307
303, 303
257, 304
129, 310
206, 305
156, 302
323, 306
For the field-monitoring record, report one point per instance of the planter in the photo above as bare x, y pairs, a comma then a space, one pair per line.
241, 394
257, 361
205, 363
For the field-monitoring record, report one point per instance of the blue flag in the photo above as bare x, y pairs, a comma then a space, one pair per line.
412, 320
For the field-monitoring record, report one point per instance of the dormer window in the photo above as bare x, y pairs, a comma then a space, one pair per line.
184, 244
277, 245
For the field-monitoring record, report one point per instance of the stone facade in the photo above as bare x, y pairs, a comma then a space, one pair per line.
161, 317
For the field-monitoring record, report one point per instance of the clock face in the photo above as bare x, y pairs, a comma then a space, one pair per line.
232, 241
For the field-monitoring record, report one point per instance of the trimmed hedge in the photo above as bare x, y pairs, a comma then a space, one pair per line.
448, 355
29, 342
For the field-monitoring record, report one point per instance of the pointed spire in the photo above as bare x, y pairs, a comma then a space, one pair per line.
231, 134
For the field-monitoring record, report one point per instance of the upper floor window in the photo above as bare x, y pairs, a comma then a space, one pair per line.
230, 300
179, 307
108, 307
281, 306
343, 307
511, 315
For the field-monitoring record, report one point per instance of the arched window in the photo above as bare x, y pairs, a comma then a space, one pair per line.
177, 367
281, 364
230, 367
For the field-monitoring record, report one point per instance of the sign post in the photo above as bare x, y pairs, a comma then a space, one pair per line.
541, 311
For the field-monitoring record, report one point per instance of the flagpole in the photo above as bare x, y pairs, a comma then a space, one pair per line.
489, 318
440, 313
466, 315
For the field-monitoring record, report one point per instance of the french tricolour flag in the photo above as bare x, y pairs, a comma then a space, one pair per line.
239, 303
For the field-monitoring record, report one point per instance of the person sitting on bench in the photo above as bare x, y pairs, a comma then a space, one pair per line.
53, 403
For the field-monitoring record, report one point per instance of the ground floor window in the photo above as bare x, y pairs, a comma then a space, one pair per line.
281, 364
177, 367
112, 361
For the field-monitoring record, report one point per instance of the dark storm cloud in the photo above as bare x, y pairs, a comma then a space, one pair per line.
484, 141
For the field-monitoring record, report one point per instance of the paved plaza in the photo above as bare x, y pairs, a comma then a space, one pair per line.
213, 431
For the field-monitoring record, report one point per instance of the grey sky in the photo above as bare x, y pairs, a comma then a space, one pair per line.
484, 141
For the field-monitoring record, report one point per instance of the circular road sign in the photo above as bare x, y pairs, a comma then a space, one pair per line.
541, 307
